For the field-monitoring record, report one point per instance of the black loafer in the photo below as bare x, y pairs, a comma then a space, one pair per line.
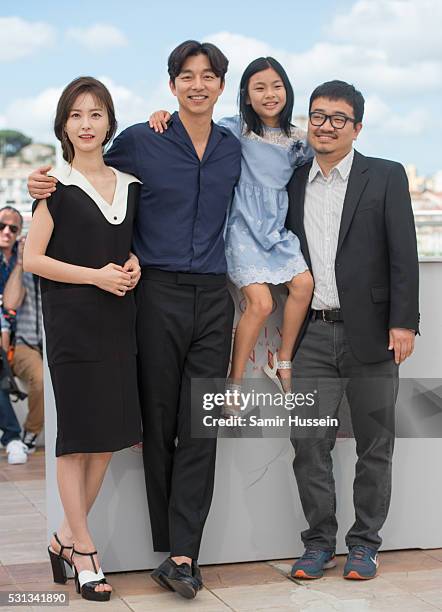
197, 574
159, 576
178, 578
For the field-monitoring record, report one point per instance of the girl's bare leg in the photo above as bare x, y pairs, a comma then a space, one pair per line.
298, 301
259, 303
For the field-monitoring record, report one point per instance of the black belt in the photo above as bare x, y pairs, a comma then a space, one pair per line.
183, 278
329, 316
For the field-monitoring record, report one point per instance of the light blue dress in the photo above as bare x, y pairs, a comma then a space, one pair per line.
259, 249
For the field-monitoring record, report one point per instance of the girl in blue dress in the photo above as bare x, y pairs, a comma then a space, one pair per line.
260, 251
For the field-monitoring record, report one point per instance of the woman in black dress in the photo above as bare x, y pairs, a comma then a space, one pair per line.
79, 243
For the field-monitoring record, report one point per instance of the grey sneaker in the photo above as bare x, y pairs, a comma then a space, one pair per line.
313, 563
362, 563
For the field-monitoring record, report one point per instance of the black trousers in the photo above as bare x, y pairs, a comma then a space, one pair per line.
325, 361
184, 331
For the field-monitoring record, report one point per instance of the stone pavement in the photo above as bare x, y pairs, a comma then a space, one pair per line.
409, 580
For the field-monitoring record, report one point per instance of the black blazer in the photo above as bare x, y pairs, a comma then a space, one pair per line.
376, 266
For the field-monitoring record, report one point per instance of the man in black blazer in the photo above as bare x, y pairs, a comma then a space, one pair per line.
354, 220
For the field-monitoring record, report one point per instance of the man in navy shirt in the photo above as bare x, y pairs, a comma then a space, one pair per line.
185, 312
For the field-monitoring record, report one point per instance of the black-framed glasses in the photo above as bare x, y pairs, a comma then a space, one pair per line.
13, 228
318, 118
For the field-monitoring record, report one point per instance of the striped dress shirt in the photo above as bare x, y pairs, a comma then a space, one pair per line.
324, 200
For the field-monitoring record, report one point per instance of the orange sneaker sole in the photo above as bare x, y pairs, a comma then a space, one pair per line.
304, 576
355, 576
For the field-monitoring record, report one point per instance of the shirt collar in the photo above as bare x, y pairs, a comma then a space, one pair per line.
115, 213
175, 120
343, 168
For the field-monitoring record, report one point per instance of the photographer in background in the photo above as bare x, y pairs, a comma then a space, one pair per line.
11, 223
22, 294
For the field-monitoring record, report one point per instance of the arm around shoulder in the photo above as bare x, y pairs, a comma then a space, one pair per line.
233, 124
40, 184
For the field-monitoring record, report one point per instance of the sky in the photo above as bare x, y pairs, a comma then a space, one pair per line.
389, 49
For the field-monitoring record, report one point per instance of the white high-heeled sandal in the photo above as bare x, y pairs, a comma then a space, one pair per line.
86, 580
272, 372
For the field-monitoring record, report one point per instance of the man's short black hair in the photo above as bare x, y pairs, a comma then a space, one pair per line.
340, 90
218, 61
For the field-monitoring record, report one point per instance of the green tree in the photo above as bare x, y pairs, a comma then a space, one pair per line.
12, 141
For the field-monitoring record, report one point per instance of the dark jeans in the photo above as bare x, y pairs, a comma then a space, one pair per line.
8, 421
326, 358
184, 331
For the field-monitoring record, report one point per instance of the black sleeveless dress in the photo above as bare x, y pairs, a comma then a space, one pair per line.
90, 333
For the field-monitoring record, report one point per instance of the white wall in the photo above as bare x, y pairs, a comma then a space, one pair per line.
256, 512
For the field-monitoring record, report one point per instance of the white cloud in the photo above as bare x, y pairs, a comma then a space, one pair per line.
381, 117
21, 38
98, 37
346, 55
404, 29
34, 115
129, 107
376, 111
368, 68
240, 50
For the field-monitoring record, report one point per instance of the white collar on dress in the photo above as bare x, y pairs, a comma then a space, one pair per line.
115, 213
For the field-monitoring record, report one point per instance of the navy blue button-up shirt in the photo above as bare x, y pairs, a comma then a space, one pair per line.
183, 201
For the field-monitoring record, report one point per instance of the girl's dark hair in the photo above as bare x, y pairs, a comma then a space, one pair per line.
79, 86
249, 117
218, 61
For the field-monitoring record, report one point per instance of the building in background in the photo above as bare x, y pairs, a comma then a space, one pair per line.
426, 197
417, 183
15, 167
426, 192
